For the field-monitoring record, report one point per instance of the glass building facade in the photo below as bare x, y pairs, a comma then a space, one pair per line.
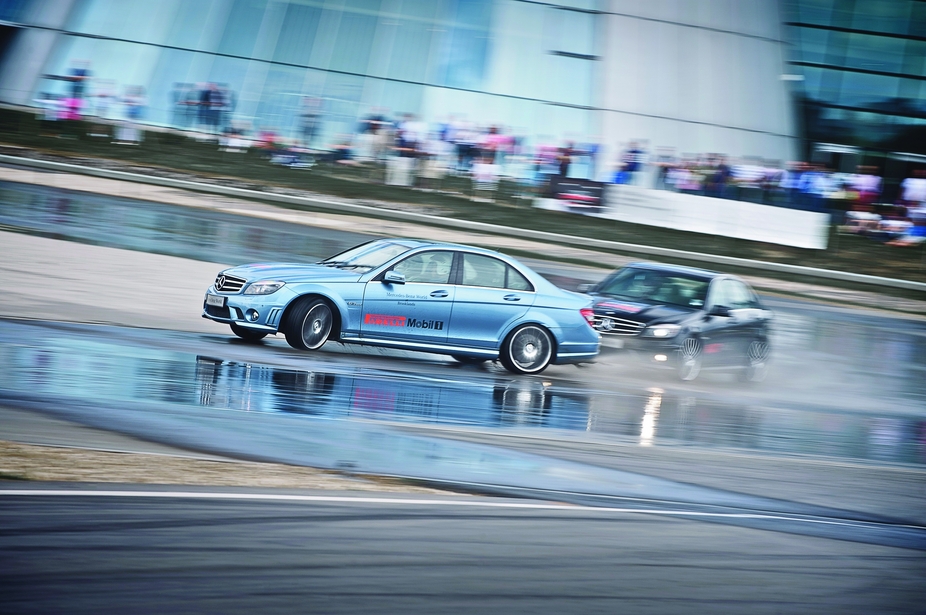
692, 76
861, 70
434, 58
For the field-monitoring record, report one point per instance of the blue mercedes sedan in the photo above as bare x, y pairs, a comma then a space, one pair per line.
469, 303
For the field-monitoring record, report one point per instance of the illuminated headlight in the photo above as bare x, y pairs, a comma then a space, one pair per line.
264, 287
662, 331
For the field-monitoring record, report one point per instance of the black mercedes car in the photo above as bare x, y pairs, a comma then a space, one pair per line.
685, 318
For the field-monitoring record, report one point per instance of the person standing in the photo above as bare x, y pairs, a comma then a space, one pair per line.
310, 118
205, 104
134, 101
564, 159
913, 189
79, 77
633, 160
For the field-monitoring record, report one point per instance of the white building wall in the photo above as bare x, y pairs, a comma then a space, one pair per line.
696, 76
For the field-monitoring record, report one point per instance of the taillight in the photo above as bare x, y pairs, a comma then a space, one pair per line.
589, 315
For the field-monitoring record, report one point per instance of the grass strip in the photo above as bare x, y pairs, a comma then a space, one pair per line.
177, 155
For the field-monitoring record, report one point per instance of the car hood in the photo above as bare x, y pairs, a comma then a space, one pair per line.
294, 272
644, 312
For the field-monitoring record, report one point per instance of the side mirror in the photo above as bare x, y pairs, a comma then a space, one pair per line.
393, 277
584, 288
719, 310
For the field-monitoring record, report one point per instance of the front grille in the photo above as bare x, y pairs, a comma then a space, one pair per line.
218, 312
229, 284
610, 325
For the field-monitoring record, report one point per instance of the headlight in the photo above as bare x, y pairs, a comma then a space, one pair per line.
264, 287
662, 331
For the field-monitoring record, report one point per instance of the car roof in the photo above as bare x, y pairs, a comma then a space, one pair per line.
668, 268
426, 243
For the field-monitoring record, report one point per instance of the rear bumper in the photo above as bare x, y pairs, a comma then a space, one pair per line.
576, 353
575, 357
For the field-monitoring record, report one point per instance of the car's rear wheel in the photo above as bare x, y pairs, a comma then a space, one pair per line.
248, 335
689, 359
527, 350
756, 362
309, 324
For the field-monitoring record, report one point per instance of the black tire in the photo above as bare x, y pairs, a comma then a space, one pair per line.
309, 324
248, 335
527, 350
688, 361
459, 358
757, 354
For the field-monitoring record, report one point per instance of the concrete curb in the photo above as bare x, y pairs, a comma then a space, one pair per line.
484, 227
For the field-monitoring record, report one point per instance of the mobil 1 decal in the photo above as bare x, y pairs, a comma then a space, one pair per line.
385, 320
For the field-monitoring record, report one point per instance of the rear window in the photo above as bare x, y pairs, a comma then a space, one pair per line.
479, 270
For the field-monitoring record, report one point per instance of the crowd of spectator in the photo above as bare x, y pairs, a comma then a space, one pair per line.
116, 111
854, 200
206, 107
417, 153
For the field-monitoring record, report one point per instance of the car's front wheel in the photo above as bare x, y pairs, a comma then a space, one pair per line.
756, 362
248, 335
527, 350
309, 324
689, 359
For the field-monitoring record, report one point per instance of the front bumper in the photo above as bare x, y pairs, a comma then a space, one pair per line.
658, 352
257, 312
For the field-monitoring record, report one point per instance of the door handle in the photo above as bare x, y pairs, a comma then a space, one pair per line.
511, 298
439, 293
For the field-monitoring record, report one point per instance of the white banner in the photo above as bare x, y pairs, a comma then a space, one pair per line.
713, 216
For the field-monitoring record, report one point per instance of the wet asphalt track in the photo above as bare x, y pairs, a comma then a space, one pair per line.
847, 392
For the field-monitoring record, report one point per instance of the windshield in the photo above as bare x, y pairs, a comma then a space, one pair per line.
366, 256
667, 288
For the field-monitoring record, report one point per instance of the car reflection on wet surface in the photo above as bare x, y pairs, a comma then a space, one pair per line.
102, 364
243, 386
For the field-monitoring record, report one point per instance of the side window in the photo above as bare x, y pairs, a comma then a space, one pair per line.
481, 270
720, 294
426, 267
740, 296
516, 281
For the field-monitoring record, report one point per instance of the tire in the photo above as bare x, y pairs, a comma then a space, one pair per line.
248, 335
689, 358
465, 360
756, 368
309, 324
527, 350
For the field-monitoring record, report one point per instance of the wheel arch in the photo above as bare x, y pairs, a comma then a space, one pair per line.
506, 340
533, 317
339, 311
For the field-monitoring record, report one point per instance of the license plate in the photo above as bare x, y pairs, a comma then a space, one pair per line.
215, 300
612, 342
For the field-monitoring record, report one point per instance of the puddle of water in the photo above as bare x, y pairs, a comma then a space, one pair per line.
85, 368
